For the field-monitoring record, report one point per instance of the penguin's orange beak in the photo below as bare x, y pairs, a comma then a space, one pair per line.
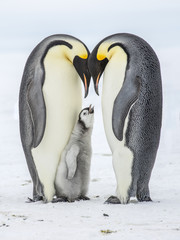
97, 84
96, 69
85, 85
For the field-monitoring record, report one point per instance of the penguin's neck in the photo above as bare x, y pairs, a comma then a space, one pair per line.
115, 71
80, 130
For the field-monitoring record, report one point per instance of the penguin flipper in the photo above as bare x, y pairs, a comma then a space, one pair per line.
122, 104
71, 161
37, 105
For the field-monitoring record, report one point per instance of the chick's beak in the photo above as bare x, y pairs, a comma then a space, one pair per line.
91, 109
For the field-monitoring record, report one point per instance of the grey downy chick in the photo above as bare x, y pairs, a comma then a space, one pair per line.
73, 172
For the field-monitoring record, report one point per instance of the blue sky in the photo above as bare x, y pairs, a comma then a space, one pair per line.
24, 23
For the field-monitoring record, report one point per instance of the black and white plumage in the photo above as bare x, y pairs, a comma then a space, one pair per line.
72, 178
132, 109
49, 103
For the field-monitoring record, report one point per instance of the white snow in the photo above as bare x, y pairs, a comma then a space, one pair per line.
158, 220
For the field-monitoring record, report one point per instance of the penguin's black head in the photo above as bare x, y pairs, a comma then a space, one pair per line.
86, 117
96, 67
81, 66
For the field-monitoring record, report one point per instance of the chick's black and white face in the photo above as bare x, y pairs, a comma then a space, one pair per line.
87, 116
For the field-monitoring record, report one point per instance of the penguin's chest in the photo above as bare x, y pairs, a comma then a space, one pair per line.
62, 95
112, 82
63, 100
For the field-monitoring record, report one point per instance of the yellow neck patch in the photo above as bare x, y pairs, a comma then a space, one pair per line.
84, 56
102, 52
100, 57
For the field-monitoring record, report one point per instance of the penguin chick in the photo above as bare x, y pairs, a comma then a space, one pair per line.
73, 172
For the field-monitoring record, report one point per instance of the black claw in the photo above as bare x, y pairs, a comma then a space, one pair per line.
112, 200
84, 198
35, 199
144, 198
29, 200
38, 198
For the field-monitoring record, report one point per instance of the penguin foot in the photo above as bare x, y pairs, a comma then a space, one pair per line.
29, 200
60, 199
35, 199
84, 198
64, 199
143, 198
112, 200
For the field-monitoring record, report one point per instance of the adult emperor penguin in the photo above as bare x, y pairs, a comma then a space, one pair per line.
49, 104
132, 110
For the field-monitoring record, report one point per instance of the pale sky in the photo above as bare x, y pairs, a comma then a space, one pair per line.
25, 23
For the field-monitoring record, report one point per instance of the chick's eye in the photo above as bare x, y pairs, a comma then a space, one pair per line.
84, 113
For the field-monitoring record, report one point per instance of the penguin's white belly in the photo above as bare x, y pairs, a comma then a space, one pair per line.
63, 101
122, 156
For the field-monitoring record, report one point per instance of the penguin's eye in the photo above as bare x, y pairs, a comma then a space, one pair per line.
84, 113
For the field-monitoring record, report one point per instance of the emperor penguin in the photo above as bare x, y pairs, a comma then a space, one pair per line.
50, 100
131, 108
73, 173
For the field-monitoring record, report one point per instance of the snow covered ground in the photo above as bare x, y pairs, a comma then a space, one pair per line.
158, 220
